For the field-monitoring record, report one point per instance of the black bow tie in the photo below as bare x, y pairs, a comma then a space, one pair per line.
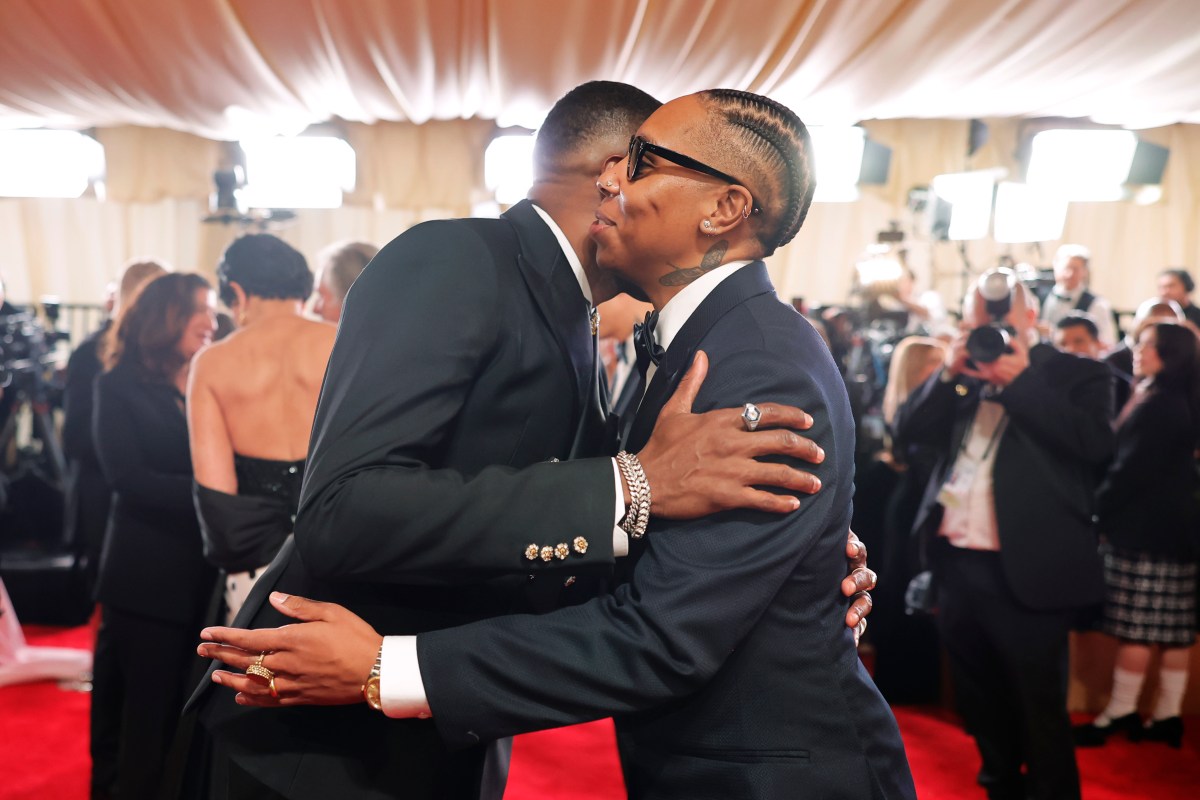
648, 350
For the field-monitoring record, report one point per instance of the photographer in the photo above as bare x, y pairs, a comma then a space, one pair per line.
1022, 430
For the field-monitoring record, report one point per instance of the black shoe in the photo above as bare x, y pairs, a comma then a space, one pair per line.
1169, 730
1092, 735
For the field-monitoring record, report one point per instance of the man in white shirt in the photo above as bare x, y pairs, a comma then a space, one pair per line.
1071, 293
1006, 514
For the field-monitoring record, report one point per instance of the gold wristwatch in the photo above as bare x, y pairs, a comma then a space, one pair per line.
370, 689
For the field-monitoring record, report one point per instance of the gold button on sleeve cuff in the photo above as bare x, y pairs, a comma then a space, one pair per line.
531, 552
581, 545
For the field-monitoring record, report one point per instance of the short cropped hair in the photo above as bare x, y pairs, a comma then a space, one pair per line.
1183, 276
342, 262
1079, 319
591, 112
1069, 251
264, 266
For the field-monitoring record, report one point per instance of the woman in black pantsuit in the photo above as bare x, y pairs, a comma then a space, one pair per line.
1148, 517
154, 584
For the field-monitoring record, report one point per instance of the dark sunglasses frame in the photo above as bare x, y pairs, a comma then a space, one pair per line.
638, 147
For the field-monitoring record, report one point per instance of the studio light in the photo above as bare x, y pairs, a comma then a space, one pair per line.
838, 157
1027, 213
297, 172
969, 196
42, 163
1082, 165
508, 167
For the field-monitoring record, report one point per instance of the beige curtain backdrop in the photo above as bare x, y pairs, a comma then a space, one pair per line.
158, 184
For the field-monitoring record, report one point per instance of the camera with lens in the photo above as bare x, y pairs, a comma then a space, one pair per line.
27, 347
993, 339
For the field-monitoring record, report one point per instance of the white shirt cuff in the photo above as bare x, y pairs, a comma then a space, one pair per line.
620, 537
401, 690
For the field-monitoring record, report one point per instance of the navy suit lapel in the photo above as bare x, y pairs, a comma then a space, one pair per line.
749, 281
556, 291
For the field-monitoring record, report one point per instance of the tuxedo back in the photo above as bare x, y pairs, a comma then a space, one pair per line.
517, 404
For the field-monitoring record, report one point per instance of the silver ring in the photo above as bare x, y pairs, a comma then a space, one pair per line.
750, 416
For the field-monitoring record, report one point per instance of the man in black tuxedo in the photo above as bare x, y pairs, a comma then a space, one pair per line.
464, 367
722, 652
1008, 509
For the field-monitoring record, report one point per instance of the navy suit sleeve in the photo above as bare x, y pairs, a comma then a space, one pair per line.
695, 593
420, 322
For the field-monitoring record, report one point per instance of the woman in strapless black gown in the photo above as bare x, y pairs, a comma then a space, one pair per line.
251, 402
244, 531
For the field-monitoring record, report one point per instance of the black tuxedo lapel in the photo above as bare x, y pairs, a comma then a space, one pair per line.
556, 291
749, 281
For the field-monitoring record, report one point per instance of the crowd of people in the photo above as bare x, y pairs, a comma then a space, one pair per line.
424, 478
466, 477
1048, 488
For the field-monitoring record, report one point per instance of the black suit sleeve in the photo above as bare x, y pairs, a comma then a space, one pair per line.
1150, 432
121, 447
697, 591
1074, 422
78, 393
419, 324
927, 416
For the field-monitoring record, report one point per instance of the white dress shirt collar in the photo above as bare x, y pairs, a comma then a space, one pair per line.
568, 251
1071, 297
680, 308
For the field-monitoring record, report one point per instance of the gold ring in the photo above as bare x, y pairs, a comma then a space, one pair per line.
271, 686
259, 671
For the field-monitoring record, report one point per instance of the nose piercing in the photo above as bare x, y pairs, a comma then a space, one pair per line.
609, 184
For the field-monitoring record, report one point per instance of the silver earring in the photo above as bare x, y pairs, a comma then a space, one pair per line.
745, 212
707, 224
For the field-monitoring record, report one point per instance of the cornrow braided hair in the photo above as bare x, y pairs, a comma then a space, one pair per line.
785, 152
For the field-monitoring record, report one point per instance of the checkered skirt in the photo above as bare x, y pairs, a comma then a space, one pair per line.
1149, 599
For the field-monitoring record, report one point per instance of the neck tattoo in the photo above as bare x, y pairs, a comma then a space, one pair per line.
685, 275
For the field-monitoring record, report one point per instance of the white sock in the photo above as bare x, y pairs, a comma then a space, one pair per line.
1171, 685
1126, 688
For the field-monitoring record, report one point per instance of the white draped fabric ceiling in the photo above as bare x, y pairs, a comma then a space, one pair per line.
217, 67
417, 87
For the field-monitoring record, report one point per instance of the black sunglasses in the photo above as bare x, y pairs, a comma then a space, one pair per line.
638, 147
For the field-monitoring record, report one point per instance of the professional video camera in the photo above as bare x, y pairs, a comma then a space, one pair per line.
30, 379
993, 339
27, 348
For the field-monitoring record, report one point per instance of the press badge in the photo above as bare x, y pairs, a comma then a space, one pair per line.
954, 491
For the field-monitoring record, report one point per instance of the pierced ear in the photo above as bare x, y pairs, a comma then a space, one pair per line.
733, 207
239, 294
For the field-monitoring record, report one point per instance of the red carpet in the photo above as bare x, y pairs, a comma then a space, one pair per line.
43, 752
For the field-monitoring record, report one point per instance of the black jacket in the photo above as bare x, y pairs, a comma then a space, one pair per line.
1057, 439
463, 362
152, 563
1147, 501
725, 656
